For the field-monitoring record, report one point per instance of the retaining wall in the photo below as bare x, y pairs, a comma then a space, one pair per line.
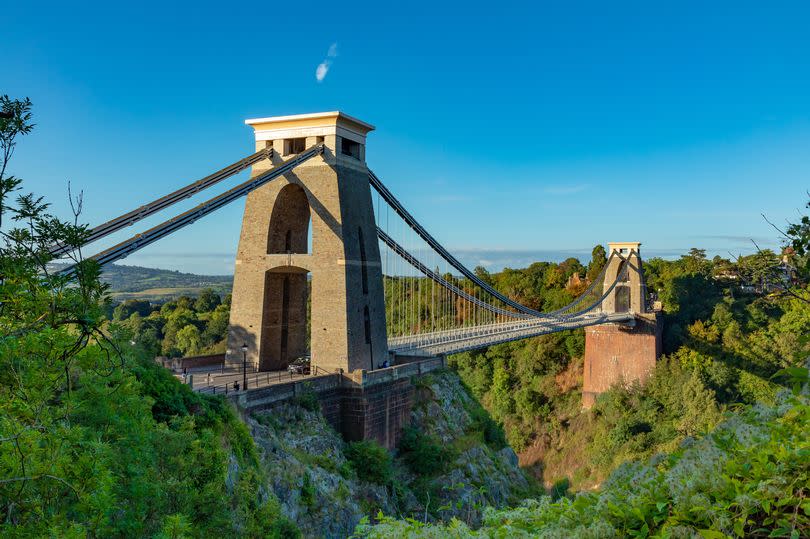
362, 405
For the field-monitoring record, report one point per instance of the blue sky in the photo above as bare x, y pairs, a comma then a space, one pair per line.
514, 132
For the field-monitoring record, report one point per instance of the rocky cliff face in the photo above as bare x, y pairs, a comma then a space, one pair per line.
319, 487
484, 470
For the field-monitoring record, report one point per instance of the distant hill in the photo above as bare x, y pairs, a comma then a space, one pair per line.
158, 285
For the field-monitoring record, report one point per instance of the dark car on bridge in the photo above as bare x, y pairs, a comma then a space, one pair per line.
300, 365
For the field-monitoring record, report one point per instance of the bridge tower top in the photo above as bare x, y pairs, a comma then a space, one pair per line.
310, 233
624, 248
343, 137
629, 293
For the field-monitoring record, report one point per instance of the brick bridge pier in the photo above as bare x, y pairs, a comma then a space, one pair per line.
620, 354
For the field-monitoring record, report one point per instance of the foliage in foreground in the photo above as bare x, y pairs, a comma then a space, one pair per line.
96, 440
748, 478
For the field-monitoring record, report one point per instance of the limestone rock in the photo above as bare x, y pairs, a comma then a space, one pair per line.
307, 471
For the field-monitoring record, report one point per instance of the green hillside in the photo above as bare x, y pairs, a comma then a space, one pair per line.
160, 285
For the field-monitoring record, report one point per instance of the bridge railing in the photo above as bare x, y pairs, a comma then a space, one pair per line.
253, 381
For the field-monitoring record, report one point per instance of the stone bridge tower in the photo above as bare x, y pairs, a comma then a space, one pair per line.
309, 233
626, 352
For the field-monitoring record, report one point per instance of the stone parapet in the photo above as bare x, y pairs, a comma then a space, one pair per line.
364, 378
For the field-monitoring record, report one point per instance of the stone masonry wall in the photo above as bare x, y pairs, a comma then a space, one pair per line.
363, 405
377, 413
346, 279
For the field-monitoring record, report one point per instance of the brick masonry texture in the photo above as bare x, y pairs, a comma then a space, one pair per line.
617, 354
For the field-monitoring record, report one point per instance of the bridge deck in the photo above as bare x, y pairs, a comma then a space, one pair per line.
461, 339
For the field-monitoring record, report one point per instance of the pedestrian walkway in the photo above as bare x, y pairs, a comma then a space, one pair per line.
218, 381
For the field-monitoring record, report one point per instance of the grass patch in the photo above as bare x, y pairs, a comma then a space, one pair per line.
308, 400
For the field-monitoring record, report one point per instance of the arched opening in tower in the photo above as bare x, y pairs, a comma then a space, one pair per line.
290, 222
285, 318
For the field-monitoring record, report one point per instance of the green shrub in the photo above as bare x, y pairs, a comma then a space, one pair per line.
493, 433
307, 491
308, 400
170, 398
482, 422
284, 529
519, 436
268, 420
370, 461
331, 465
421, 454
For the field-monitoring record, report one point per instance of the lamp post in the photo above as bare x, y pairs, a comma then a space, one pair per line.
244, 366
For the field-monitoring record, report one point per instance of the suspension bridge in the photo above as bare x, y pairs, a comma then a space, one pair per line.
331, 264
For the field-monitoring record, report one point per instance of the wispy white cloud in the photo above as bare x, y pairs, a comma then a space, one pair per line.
323, 67
565, 189
322, 70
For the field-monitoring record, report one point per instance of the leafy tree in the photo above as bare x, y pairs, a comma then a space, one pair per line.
96, 440
126, 308
797, 237
185, 302
759, 268
570, 266
16, 121
554, 277
207, 301
217, 327
51, 329
598, 261
503, 402
695, 261
700, 407
175, 321
168, 307
188, 340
